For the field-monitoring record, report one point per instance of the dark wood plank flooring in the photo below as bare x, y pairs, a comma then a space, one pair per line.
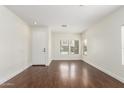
63, 74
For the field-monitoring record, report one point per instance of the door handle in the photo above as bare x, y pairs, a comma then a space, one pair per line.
44, 50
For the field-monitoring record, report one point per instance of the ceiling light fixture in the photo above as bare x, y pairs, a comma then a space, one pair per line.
81, 5
63, 25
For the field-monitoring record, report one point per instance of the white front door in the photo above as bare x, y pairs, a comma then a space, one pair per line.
39, 48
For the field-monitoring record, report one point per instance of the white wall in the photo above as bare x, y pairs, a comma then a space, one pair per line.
104, 45
14, 45
56, 37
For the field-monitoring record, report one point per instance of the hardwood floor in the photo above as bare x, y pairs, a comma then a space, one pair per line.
63, 74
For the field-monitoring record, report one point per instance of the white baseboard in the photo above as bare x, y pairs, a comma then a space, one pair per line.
13, 74
67, 59
121, 79
49, 61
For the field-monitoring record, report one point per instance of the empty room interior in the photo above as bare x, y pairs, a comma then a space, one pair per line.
61, 46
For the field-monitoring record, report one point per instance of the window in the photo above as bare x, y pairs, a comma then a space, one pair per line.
85, 47
69, 47
74, 46
64, 47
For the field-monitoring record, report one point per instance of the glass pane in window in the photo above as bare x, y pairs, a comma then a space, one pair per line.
64, 47
85, 47
74, 46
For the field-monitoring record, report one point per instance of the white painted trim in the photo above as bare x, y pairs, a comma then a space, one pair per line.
67, 59
121, 79
13, 74
122, 43
49, 61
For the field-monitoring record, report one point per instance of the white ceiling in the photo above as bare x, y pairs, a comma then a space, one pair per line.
77, 18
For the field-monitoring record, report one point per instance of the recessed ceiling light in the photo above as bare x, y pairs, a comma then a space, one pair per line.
35, 22
63, 25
